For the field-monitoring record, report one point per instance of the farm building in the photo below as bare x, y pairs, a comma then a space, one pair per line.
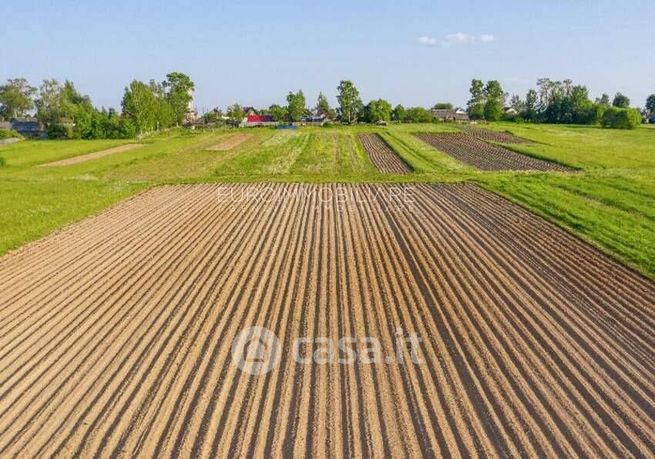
258, 120
27, 128
314, 119
457, 114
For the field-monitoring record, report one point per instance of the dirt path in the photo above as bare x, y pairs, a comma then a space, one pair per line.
383, 157
94, 155
230, 142
116, 334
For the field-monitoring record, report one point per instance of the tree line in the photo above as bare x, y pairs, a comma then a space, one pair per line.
66, 113
560, 102
350, 109
156, 105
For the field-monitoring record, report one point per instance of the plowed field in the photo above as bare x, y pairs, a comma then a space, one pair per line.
471, 150
493, 136
116, 334
382, 155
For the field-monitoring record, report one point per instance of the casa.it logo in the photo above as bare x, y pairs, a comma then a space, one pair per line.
256, 350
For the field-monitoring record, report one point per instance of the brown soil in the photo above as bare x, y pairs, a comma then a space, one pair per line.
94, 155
231, 142
493, 136
115, 334
383, 157
485, 156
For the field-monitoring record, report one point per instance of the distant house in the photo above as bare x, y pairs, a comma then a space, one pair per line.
258, 120
27, 127
314, 119
457, 115
651, 120
249, 111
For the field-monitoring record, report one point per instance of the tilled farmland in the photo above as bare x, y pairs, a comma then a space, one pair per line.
485, 156
493, 136
383, 157
116, 333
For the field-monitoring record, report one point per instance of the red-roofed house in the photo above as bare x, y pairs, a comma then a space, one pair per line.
259, 120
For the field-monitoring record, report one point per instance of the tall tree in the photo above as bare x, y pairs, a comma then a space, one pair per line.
140, 107
650, 104
516, 103
235, 113
323, 106
443, 106
398, 113
179, 89
49, 104
277, 112
378, 110
475, 106
530, 111
494, 101
16, 98
349, 101
603, 100
621, 101
296, 105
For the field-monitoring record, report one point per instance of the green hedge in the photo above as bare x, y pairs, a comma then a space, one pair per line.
7, 134
621, 118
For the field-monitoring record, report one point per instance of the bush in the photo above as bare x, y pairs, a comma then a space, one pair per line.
621, 118
7, 134
60, 131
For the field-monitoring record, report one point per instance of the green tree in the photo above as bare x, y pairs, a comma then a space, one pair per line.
140, 106
621, 118
530, 111
418, 115
350, 103
179, 92
295, 106
49, 104
235, 113
494, 101
378, 110
16, 98
603, 100
278, 112
650, 104
323, 107
475, 106
443, 106
398, 113
621, 101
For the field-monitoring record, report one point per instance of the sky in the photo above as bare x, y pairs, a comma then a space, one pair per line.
413, 52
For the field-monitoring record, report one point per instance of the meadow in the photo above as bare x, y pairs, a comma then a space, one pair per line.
608, 201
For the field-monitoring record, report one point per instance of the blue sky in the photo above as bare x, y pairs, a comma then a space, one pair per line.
414, 52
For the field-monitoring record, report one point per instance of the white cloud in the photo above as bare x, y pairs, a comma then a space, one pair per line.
458, 38
429, 41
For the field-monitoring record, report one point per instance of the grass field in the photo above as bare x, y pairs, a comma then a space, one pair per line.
608, 202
